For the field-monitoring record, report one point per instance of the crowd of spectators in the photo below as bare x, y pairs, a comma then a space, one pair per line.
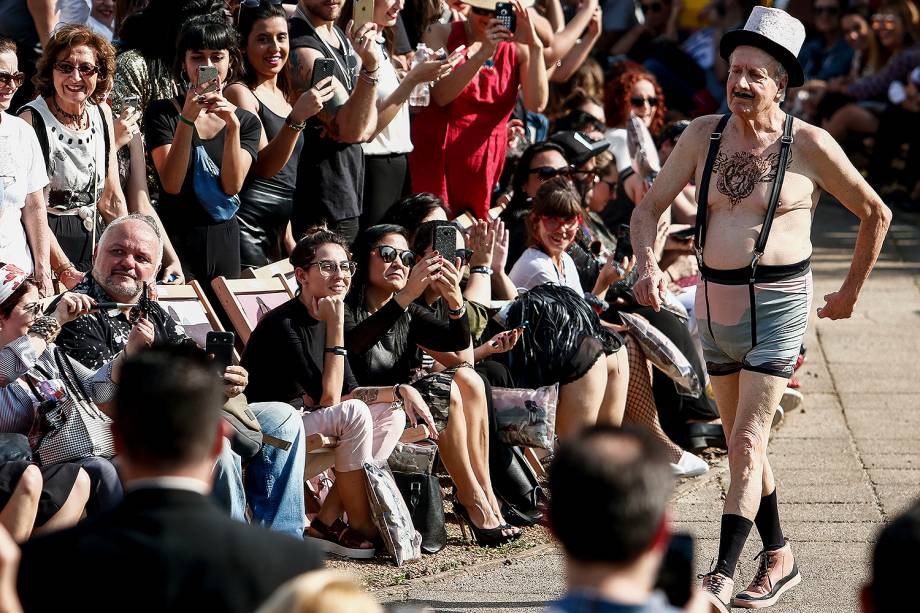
171, 141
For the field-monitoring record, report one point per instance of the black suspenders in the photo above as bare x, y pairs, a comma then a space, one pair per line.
703, 201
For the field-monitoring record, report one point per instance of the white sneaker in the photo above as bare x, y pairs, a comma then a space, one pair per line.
689, 465
777, 416
791, 400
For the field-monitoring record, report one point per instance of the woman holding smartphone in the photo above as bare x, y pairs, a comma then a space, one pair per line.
267, 200
183, 131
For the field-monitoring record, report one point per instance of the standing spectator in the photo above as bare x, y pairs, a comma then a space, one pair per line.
22, 182
196, 204
267, 200
29, 24
330, 176
828, 55
165, 547
101, 18
461, 138
74, 76
386, 157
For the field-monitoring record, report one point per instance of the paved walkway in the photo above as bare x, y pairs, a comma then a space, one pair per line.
846, 463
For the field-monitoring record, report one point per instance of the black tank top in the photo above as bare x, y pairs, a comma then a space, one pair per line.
272, 123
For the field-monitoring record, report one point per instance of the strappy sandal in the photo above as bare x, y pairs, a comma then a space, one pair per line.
340, 540
485, 537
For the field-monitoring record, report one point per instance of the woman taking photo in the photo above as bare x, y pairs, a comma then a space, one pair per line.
73, 77
297, 355
461, 138
202, 147
390, 336
267, 200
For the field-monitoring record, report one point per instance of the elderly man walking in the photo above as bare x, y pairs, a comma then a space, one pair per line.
759, 174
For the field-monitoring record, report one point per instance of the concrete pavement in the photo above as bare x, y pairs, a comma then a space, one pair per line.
845, 463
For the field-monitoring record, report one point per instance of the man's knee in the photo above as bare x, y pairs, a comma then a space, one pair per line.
278, 419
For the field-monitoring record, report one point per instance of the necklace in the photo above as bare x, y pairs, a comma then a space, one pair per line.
77, 119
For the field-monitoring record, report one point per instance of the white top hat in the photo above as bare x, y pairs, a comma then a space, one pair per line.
776, 32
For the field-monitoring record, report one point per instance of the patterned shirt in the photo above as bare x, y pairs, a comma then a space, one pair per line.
95, 338
18, 404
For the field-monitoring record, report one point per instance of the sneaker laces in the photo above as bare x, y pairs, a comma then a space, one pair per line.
763, 569
716, 581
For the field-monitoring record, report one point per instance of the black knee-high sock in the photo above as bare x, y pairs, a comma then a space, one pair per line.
767, 521
735, 530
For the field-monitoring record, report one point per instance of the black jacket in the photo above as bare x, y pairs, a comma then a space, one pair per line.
160, 550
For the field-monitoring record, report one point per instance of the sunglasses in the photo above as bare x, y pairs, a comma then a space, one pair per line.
481, 11
554, 223
33, 308
654, 7
389, 254
327, 268
638, 101
883, 22
545, 173
826, 10
12, 79
85, 70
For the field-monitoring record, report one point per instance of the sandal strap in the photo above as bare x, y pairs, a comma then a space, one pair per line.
344, 535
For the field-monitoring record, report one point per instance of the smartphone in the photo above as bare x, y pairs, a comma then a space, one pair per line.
676, 575
131, 100
445, 242
685, 234
504, 12
219, 345
624, 243
322, 67
362, 13
206, 74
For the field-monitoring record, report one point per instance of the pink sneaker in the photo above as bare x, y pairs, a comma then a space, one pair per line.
717, 589
776, 573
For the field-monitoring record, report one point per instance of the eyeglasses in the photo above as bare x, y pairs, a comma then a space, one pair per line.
638, 101
554, 223
327, 268
545, 173
389, 254
12, 79
654, 7
830, 11
85, 70
33, 308
884, 22
482, 12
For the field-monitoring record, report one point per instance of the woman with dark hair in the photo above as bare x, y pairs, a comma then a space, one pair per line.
266, 202
202, 147
297, 354
412, 211
391, 336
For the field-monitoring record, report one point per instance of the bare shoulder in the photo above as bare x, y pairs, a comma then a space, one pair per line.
810, 139
436, 35
700, 129
241, 96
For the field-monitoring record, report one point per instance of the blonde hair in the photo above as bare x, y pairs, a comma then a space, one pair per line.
321, 591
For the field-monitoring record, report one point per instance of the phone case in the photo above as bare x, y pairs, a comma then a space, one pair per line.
445, 242
322, 68
504, 12
220, 345
363, 13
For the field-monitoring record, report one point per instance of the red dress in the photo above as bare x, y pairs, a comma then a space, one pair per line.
459, 149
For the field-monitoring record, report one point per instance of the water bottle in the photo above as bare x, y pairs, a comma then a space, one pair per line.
420, 96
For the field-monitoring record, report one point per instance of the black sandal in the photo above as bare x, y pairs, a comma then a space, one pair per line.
485, 537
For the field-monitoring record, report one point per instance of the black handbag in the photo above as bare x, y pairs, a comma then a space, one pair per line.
422, 494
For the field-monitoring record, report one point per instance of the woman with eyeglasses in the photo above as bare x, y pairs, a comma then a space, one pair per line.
897, 25
74, 75
24, 233
395, 336
203, 146
297, 354
267, 90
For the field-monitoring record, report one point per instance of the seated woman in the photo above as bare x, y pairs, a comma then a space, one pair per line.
32, 385
297, 355
386, 332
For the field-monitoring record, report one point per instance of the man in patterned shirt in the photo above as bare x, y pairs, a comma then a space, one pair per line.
129, 253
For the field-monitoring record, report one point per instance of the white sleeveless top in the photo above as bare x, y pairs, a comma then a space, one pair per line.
395, 137
77, 159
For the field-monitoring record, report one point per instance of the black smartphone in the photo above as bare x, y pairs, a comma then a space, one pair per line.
675, 577
219, 345
322, 67
685, 234
624, 243
445, 242
504, 12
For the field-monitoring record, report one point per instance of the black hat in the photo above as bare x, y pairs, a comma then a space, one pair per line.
578, 147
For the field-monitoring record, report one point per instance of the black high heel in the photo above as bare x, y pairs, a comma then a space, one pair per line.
485, 537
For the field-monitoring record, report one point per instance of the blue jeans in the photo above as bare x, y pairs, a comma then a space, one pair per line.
274, 477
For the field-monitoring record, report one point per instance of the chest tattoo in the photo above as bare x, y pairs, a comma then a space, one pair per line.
741, 171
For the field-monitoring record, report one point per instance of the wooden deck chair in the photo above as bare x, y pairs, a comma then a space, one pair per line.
246, 301
188, 307
282, 267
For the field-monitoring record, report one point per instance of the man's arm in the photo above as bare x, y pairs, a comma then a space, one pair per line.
677, 172
45, 17
112, 203
834, 173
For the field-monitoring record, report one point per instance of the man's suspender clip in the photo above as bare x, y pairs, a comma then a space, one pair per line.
754, 262
715, 136
786, 140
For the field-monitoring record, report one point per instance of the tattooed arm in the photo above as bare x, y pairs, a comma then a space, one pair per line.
372, 395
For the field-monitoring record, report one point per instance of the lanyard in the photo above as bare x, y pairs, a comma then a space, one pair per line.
346, 47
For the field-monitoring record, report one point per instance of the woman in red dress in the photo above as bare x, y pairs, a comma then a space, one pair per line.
461, 138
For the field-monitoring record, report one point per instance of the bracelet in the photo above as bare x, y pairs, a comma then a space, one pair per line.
368, 78
457, 313
45, 327
370, 72
396, 393
186, 121
297, 127
482, 270
57, 271
337, 350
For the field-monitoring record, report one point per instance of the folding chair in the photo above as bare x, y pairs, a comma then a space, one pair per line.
246, 301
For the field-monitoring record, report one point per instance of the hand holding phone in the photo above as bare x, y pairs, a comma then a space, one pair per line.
504, 12
207, 80
322, 67
219, 346
445, 242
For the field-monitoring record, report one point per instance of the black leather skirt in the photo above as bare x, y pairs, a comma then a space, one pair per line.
265, 210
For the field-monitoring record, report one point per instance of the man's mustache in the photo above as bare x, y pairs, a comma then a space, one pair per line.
745, 95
